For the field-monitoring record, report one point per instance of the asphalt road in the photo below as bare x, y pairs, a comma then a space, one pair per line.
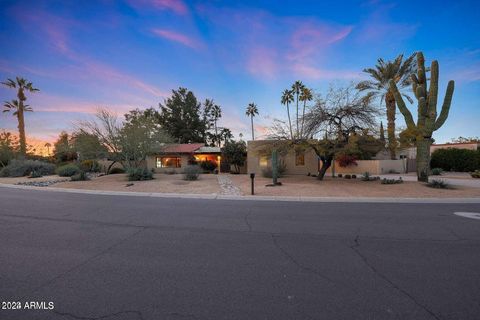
121, 257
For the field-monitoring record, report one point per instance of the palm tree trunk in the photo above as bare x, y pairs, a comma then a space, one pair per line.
251, 119
391, 110
297, 119
289, 122
303, 118
21, 132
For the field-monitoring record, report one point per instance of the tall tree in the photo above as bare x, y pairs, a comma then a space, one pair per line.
305, 96
400, 72
180, 116
8, 147
287, 98
297, 88
252, 111
18, 107
48, 145
382, 134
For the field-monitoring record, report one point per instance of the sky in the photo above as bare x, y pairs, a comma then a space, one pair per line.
127, 54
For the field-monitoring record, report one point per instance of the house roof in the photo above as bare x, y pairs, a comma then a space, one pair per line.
205, 149
182, 148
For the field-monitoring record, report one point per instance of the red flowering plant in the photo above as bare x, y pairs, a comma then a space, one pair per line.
346, 160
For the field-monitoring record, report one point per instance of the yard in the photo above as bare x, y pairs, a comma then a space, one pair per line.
293, 185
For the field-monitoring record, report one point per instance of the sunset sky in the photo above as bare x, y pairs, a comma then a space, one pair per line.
130, 54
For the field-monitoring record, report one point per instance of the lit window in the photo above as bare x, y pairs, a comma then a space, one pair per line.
263, 161
299, 158
168, 162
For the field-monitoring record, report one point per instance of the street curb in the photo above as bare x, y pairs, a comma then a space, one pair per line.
247, 197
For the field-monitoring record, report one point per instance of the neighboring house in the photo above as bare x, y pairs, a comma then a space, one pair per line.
305, 161
175, 157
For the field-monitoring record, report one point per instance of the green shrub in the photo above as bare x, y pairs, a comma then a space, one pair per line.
116, 170
208, 166
22, 168
452, 159
475, 174
81, 176
438, 184
35, 174
90, 166
139, 174
367, 177
191, 172
391, 181
68, 170
437, 171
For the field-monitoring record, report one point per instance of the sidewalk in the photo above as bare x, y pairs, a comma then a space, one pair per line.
461, 179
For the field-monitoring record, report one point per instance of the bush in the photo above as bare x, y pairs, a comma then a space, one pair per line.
346, 160
208, 166
22, 168
35, 174
81, 176
452, 159
475, 174
354, 176
438, 184
90, 166
191, 173
347, 176
116, 171
367, 177
339, 175
392, 181
68, 170
437, 171
139, 174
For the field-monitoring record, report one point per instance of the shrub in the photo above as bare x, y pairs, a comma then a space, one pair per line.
339, 175
367, 177
139, 174
475, 174
81, 176
346, 160
452, 159
22, 168
208, 166
347, 176
116, 170
90, 166
35, 174
354, 176
437, 171
68, 170
438, 184
392, 181
191, 173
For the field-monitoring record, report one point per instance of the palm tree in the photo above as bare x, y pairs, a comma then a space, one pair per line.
48, 145
251, 112
217, 114
287, 98
305, 96
18, 108
399, 71
297, 88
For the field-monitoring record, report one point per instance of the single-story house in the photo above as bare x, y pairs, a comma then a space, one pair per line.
177, 156
305, 161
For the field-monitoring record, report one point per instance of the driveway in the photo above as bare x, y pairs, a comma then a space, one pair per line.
123, 257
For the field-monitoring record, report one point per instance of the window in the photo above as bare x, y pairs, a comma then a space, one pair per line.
299, 158
168, 162
263, 161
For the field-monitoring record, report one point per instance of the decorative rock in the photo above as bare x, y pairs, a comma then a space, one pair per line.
227, 187
41, 183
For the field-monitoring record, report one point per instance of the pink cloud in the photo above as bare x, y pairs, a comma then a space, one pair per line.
176, 6
261, 62
177, 37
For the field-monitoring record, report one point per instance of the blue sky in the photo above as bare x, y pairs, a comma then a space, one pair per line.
131, 53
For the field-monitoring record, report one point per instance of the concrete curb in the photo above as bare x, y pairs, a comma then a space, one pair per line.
215, 196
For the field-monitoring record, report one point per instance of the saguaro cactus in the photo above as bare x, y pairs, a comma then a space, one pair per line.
427, 121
